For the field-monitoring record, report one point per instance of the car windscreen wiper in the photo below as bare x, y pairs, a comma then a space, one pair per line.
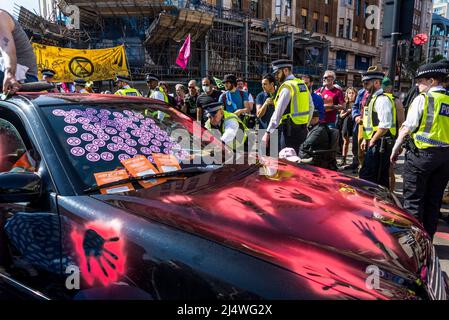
182, 172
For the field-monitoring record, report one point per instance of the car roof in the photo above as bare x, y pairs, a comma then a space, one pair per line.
42, 99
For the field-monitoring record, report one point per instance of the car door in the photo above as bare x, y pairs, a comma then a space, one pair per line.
30, 250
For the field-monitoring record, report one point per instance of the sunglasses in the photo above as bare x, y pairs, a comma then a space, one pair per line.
192, 88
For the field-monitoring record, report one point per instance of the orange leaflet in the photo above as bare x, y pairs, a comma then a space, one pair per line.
112, 176
140, 166
166, 162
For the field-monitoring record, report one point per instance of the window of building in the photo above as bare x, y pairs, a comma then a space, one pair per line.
356, 33
315, 22
341, 27
237, 4
278, 7
370, 37
254, 8
304, 18
358, 4
288, 8
326, 24
364, 35
348, 29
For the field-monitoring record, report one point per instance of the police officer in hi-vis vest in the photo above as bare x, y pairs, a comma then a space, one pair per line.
293, 107
379, 131
426, 169
124, 88
233, 131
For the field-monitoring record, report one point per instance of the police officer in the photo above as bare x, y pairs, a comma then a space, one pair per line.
80, 85
293, 107
155, 91
379, 131
232, 130
47, 76
426, 170
124, 87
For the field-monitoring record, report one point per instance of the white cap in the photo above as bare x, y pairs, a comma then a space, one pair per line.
289, 154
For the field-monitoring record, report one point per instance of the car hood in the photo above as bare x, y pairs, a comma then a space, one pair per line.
320, 224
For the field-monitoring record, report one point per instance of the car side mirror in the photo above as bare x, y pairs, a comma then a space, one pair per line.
19, 187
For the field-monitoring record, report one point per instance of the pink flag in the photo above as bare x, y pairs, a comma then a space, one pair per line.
184, 54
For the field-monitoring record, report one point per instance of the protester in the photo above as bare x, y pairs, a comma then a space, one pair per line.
235, 100
209, 95
347, 124
265, 100
243, 87
190, 99
180, 96
18, 62
317, 99
333, 98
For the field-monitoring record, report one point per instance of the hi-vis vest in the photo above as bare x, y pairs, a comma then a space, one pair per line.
299, 102
229, 116
433, 130
128, 92
161, 91
371, 120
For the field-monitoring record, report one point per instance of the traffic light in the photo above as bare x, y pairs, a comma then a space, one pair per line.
406, 14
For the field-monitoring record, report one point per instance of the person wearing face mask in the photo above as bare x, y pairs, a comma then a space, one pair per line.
379, 131
209, 95
426, 169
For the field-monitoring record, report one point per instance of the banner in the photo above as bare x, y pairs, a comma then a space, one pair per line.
90, 65
184, 54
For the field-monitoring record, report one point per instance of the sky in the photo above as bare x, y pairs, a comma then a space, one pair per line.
8, 5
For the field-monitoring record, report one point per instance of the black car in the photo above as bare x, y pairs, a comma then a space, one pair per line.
77, 223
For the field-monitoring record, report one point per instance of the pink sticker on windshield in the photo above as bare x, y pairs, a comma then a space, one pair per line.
117, 139
127, 112
88, 127
91, 147
123, 156
144, 142
131, 142
99, 142
70, 129
118, 115
155, 149
104, 137
145, 150
107, 156
131, 151
77, 151
93, 111
156, 142
59, 113
83, 120
87, 137
125, 135
110, 130
73, 141
70, 120
93, 157
112, 147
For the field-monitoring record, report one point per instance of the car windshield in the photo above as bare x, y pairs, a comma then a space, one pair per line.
98, 138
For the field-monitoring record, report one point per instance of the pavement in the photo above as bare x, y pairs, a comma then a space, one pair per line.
441, 239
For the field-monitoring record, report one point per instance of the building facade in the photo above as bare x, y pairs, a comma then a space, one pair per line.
439, 37
441, 8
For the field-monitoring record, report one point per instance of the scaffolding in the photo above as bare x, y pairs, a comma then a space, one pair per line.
223, 40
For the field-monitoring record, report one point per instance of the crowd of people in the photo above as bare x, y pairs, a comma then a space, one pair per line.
311, 126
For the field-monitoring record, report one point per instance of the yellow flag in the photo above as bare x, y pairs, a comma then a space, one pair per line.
90, 65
